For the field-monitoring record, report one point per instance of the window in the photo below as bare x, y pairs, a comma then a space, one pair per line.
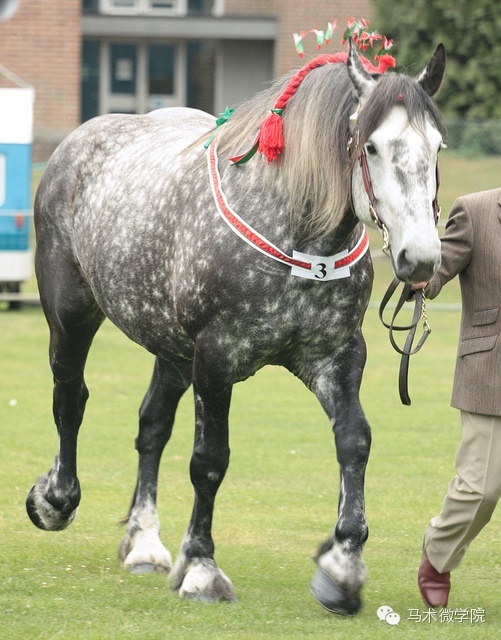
90, 6
120, 6
163, 5
200, 75
123, 59
90, 79
137, 77
161, 69
153, 7
203, 7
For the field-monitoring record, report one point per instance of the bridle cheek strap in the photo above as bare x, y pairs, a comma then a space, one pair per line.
376, 218
366, 177
436, 206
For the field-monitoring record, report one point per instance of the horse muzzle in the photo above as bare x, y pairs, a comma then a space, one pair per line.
411, 268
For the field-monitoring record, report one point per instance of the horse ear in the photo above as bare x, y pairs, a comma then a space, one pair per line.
359, 75
431, 77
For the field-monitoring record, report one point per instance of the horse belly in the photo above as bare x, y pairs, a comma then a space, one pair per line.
154, 328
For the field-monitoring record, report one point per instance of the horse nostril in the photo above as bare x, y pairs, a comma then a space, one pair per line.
412, 270
402, 261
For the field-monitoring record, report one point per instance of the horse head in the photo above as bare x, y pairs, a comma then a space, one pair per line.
396, 136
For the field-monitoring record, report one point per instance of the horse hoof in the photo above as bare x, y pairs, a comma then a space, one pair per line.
205, 582
142, 569
144, 553
44, 515
332, 597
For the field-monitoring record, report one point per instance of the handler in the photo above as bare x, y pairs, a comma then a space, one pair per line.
471, 248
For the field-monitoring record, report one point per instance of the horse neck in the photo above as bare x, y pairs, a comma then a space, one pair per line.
332, 243
258, 180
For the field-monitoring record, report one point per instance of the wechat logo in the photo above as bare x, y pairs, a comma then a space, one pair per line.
387, 614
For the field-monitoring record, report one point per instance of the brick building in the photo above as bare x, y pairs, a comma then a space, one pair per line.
41, 43
86, 57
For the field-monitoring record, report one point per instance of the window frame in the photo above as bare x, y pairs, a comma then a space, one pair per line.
144, 7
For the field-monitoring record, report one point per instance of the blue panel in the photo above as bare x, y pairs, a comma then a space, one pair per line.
14, 233
17, 168
15, 200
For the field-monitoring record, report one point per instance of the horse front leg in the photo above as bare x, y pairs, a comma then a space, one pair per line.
341, 572
195, 573
141, 550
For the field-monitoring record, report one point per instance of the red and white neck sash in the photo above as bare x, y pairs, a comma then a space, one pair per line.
303, 265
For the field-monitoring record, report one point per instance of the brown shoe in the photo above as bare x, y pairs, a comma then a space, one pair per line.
434, 586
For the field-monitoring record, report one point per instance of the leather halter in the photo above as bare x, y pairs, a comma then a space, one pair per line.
366, 177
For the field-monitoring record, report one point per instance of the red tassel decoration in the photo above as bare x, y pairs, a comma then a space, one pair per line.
271, 137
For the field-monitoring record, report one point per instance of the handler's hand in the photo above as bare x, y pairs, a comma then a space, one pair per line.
415, 287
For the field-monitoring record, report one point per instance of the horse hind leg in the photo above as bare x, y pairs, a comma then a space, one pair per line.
141, 550
73, 317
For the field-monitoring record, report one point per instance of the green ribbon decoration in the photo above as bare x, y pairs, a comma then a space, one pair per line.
223, 117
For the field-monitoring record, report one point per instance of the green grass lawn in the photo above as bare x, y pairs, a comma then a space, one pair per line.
277, 503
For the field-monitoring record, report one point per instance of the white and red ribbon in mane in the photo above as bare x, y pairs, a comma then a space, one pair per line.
304, 265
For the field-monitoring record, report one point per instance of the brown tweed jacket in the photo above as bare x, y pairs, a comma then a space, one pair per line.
471, 248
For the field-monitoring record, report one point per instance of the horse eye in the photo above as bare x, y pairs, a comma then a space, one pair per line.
371, 149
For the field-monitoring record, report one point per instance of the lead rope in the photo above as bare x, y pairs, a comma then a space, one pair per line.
407, 351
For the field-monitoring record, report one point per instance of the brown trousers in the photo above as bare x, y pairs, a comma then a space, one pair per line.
472, 494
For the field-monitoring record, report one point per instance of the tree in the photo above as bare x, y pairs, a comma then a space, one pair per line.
470, 32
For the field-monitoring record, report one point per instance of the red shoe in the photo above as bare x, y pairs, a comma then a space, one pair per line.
434, 586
